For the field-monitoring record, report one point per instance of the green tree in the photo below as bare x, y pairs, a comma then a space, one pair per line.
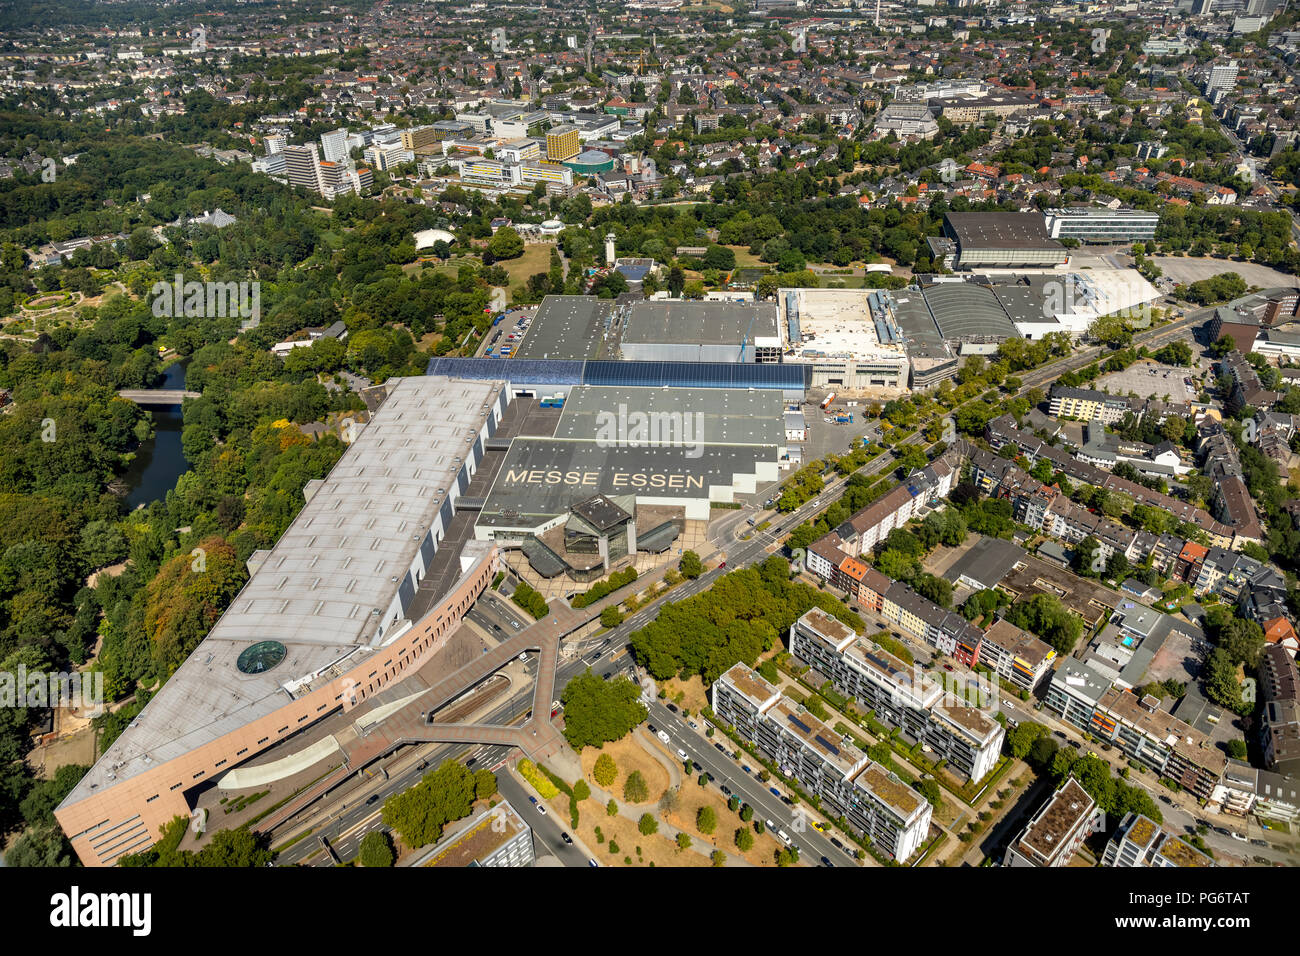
744, 839
506, 244
635, 789
376, 850
706, 820
647, 824
690, 565
605, 771
597, 711
683, 841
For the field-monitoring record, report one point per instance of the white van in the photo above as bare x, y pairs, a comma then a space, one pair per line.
785, 837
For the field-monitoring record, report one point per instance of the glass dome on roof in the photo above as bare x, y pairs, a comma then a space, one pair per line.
260, 657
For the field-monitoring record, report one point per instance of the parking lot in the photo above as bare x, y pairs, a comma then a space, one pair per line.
1150, 380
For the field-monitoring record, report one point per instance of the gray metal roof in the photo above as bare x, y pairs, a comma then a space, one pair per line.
720, 416
344, 556
699, 323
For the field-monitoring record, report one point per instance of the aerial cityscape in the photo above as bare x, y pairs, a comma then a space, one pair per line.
664, 433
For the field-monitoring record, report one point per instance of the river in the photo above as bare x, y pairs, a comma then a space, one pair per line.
159, 461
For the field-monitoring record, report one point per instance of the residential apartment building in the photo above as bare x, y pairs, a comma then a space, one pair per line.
846, 782
1087, 405
1279, 689
1057, 830
1140, 841
902, 696
1016, 656
1167, 745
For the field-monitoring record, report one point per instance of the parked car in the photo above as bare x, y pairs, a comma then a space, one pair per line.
681, 753
566, 838
775, 792
1237, 836
720, 748
1259, 843
664, 737
726, 791
672, 708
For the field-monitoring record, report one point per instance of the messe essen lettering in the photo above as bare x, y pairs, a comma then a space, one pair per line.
617, 479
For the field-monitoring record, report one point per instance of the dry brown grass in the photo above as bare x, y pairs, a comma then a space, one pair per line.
693, 797
629, 755
693, 696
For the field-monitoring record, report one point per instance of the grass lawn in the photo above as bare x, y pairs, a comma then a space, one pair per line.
536, 258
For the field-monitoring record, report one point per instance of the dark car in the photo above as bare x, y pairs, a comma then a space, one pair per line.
652, 728
826, 862
1259, 843
720, 748
374, 798
786, 800
726, 791
835, 842
695, 764
775, 792
1223, 831
672, 708
709, 776
566, 838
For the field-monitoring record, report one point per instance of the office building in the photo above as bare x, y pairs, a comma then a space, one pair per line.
1223, 76
1093, 224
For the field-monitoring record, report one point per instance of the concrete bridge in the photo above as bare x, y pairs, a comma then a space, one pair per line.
157, 396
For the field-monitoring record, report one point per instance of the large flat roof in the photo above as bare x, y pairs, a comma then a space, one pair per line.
345, 555
999, 230
565, 327
700, 323
721, 416
543, 477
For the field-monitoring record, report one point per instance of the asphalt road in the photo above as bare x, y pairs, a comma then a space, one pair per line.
546, 827
727, 772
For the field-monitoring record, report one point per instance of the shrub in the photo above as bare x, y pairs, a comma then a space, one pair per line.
744, 839
706, 821
528, 770
683, 841
611, 809
647, 825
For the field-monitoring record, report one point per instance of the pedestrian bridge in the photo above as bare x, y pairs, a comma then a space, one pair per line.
157, 396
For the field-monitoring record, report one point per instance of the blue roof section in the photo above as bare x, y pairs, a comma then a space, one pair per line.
653, 374
531, 371
698, 374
